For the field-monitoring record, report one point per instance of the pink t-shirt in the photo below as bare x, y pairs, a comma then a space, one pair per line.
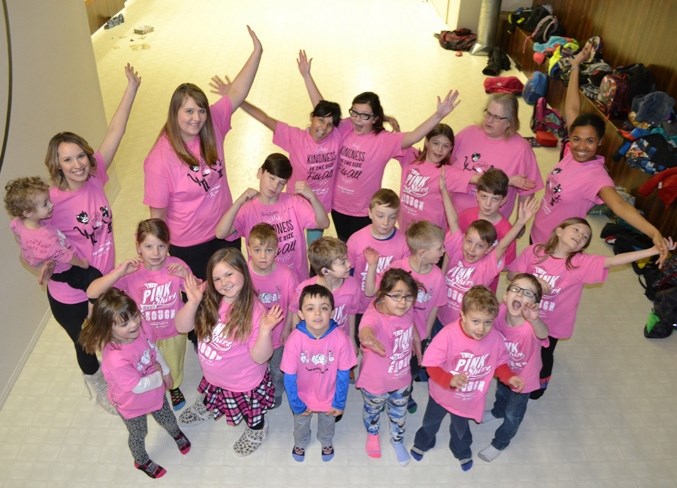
272, 289
389, 250
227, 362
475, 151
470, 215
420, 197
559, 307
123, 366
345, 303
195, 197
157, 294
462, 275
456, 353
290, 216
571, 189
380, 374
313, 162
86, 219
362, 161
430, 293
316, 363
39, 245
524, 350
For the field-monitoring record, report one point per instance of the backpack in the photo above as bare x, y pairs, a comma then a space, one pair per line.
640, 79
536, 87
503, 84
457, 40
537, 14
612, 99
518, 18
663, 318
654, 279
547, 119
548, 26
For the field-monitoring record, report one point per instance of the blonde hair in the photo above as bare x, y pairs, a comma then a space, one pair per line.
480, 299
264, 233
509, 103
386, 197
550, 246
324, 251
21, 194
421, 235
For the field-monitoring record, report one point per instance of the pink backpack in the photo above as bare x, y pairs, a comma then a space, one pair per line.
547, 119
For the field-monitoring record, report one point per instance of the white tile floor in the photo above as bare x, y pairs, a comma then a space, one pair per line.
608, 419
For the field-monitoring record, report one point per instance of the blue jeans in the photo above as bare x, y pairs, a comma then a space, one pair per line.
511, 407
459, 430
395, 404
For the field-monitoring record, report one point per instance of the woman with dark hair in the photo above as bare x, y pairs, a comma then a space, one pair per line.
580, 180
365, 150
185, 172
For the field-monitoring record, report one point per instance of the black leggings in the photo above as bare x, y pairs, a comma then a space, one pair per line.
347, 225
548, 358
70, 317
197, 256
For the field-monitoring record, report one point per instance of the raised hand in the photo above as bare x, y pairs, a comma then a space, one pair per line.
448, 104
133, 77
219, 86
271, 318
255, 39
304, 63
194, 289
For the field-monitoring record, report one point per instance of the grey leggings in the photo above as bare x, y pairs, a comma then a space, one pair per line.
138, 428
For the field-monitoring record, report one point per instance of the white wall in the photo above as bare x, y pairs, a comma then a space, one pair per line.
465, 13
55, 88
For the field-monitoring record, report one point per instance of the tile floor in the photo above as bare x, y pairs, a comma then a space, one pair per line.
608, 419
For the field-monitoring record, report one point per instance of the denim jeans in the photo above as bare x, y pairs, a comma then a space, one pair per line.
395, 404
459, 430
510, 406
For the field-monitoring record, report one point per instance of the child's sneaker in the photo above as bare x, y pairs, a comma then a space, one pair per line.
177, 398
298, 454
412, 406
182, 443
195, 414
327, 453
250, 440
151, 469
373, 446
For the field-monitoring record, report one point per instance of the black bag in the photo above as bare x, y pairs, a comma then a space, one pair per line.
665, 307
518, 18
457, 40
537, 14
657, 280
639, 77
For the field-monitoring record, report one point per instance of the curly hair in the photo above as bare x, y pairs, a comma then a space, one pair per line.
21, 193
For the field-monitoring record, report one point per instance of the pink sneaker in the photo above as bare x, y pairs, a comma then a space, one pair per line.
373, 446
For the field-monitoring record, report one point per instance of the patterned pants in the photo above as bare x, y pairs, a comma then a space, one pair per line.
395, 404
138, 428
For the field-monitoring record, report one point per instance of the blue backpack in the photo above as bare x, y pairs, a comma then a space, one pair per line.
535, 88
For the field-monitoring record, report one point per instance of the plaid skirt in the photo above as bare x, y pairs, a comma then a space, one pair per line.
239, 406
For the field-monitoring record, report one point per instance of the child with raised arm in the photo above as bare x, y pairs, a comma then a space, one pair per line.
288, 214
136, 373
461, 360
473, 257
274, 285
234, 333
155, 281
328, 257
316, 363
524, 334
27, 202
563, 269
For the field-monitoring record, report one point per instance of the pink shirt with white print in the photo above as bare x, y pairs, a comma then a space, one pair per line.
456, 353
313, 162
39, 245
275, 288
474, 151
124, 365
502, 228
420, 195
430, 293
157, 294
227, 362
524, 349
86, 219
290, 216
559, 307
571, 189
462, 275
316, 363
389, 250
345, 303
381, 374
195, 197
362, 161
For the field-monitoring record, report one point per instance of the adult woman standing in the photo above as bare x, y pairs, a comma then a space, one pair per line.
495, 143
580, 179
83, 214
185, 172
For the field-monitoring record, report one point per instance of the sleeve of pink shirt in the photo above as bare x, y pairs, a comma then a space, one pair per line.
595, 272
304, 212
284, 136
456, 179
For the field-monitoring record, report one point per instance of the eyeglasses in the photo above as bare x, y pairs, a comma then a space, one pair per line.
491, 116
526, 292
355, 113
399, 298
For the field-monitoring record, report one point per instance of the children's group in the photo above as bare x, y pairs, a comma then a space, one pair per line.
406, 292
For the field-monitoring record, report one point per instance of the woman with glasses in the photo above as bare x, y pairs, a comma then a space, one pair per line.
495, 143
366, 149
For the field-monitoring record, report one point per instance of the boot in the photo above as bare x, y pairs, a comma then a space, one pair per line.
97, 385
250, 440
